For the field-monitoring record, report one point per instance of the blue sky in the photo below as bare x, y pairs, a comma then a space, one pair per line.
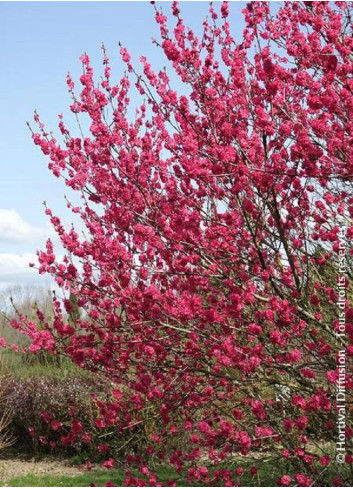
39, 43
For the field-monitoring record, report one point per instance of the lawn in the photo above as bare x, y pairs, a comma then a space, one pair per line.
55, 472
265, 478
99, 478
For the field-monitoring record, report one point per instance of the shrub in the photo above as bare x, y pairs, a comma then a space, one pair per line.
40, 403
5, 407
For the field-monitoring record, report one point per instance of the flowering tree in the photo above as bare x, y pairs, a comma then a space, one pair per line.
215, 222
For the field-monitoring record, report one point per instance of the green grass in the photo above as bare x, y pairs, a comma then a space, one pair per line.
101, 477
267, 477
27, 366
82, 480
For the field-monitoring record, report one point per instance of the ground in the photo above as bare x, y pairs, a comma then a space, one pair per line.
18, 468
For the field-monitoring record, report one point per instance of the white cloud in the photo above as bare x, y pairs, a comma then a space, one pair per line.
15, 270
14, 229
17, 264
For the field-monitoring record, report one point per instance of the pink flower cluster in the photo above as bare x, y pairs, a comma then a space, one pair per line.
205, 273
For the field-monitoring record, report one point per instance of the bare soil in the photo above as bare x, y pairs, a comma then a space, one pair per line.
10, 468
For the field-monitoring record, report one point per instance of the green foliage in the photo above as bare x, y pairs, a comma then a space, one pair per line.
29, 365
